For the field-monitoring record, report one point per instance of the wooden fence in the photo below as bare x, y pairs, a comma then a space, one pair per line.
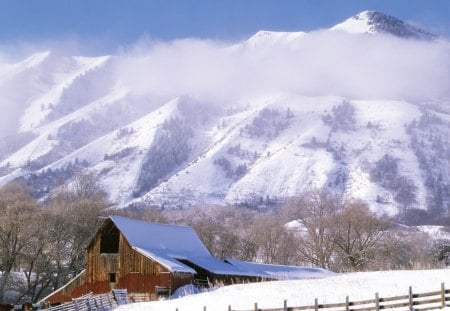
89, 302
411, 302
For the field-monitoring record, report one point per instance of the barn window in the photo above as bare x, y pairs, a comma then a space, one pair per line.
109, 240
112, 278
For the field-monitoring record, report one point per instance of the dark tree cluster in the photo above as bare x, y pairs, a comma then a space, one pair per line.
230, 171
269, 124
44, 182
386, 173
120, 154
225, 164
237, 151
261, 203
314, 143
342, 117
431, 144
170, 149
76, 134
339, 178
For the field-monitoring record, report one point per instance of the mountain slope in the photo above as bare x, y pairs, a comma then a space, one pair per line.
75, 114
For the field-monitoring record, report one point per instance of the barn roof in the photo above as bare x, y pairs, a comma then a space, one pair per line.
168, 244
279, 272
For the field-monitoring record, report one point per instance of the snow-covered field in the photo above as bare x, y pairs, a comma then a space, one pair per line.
334, 289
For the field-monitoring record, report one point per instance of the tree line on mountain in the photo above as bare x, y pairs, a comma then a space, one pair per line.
341, 117
171, 149
386, 173
42, 244
172, 144
230, 171
431, 145
42, 183
269, 123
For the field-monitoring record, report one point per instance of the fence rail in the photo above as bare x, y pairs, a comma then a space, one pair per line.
412, 302
90, 302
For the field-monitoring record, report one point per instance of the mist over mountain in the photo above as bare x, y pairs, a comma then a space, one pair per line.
361, 108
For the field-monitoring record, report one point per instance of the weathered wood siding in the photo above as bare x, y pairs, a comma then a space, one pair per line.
75, 288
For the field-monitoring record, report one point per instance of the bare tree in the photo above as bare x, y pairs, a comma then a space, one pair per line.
314, 212
356, 233
74, 211
37, 261
405, 248
17, 229
266, 234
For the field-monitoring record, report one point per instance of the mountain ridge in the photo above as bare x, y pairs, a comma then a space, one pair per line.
255, 149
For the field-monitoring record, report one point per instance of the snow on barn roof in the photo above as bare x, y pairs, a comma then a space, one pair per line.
173, 240
168, 244
280, 272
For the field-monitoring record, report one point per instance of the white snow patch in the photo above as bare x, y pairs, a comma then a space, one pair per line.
357, 286
357, 24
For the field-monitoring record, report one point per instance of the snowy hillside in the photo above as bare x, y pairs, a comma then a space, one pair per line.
357, 286
254, 122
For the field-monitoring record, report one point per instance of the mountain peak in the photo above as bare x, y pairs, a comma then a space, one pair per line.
377, 22
265, 38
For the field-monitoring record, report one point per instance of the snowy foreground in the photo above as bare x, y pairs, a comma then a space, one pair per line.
358, 286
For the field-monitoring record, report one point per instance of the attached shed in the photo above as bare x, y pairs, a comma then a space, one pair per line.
280, 272
147, 259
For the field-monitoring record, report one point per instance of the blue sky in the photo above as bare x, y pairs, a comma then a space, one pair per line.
109, 24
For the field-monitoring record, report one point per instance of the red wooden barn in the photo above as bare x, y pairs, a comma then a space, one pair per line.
147, 259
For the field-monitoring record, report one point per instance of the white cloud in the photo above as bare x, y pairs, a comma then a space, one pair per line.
321, 63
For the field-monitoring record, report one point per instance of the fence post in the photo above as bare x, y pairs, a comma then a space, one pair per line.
229, 307
377, 302
347, 303
285, 305
442, 295
411, 301
101, 302
256, 306
110, 300
204, 308
316, 304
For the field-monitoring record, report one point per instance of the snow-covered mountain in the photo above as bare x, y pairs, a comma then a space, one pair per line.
376, 22
69, 114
